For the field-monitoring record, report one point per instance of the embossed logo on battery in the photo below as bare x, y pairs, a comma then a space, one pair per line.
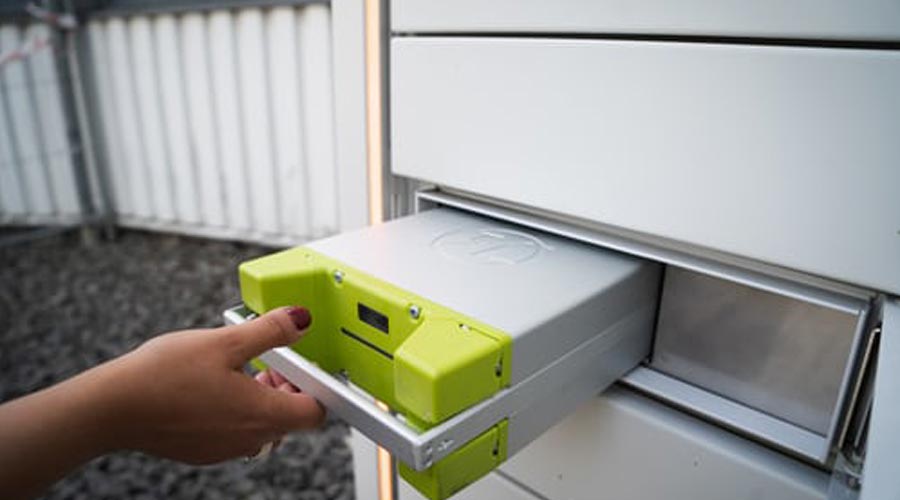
491, 246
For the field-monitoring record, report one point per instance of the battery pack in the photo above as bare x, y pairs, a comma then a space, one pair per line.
478, 335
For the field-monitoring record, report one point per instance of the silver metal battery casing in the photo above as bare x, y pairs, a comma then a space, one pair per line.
548, 293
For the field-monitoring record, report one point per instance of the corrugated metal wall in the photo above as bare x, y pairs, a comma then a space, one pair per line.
220, 123
37, 184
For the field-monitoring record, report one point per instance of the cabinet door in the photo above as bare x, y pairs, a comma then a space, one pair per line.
785, 155
815, 19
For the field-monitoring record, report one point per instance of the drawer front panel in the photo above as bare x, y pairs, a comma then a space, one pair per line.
783, 155
624, 446
629, 447
832, 19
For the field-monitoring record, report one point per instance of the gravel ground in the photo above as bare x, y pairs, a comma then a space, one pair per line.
65, 307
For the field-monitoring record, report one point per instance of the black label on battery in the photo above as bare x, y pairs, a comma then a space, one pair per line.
372, 317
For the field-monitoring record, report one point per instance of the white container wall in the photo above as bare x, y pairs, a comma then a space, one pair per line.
37, 182
222, 123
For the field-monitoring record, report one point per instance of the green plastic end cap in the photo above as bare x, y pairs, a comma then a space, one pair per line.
443, 368
276, 280
462, 467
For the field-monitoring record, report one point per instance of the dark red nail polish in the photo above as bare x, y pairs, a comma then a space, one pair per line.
300, 316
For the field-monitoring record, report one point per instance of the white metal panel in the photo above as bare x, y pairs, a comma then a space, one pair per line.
827, 19
315, 66
232, 128
630, 447
151, 120
782, 155
201, 118
25, 126
112, 144
183, 181
288, 137
37, 183
132, 169
611, 446
57, 153
252, 71
228, 114
12, 190
349, 111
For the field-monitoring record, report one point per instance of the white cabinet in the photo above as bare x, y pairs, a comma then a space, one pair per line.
806, 19
783, 155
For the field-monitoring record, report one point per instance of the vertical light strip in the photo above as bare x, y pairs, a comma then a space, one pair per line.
385, 468
374, 169
374, 110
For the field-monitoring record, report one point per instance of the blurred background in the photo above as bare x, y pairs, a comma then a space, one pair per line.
146, 149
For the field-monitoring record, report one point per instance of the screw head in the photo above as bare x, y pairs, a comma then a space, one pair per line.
414, 311
338, 276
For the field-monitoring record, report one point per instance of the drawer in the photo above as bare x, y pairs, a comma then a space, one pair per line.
624, 446
678, 141
476, 333
768, 357
829, 20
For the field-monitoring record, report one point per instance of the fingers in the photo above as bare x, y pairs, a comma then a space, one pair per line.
298, 410
279, 327
277, 378
291, 409
264, 378
289, 388
272, 378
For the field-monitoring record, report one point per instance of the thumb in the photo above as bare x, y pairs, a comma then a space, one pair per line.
276, 328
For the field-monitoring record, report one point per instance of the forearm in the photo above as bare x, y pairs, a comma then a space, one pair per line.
181, 396
46, 435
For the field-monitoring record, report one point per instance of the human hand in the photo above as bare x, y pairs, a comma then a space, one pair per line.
184, 396
181, 395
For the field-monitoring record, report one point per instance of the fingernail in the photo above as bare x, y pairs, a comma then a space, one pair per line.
300, 316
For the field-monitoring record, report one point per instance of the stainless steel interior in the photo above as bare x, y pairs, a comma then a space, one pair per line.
781, 355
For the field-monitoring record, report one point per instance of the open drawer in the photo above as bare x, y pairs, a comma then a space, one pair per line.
477, 334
